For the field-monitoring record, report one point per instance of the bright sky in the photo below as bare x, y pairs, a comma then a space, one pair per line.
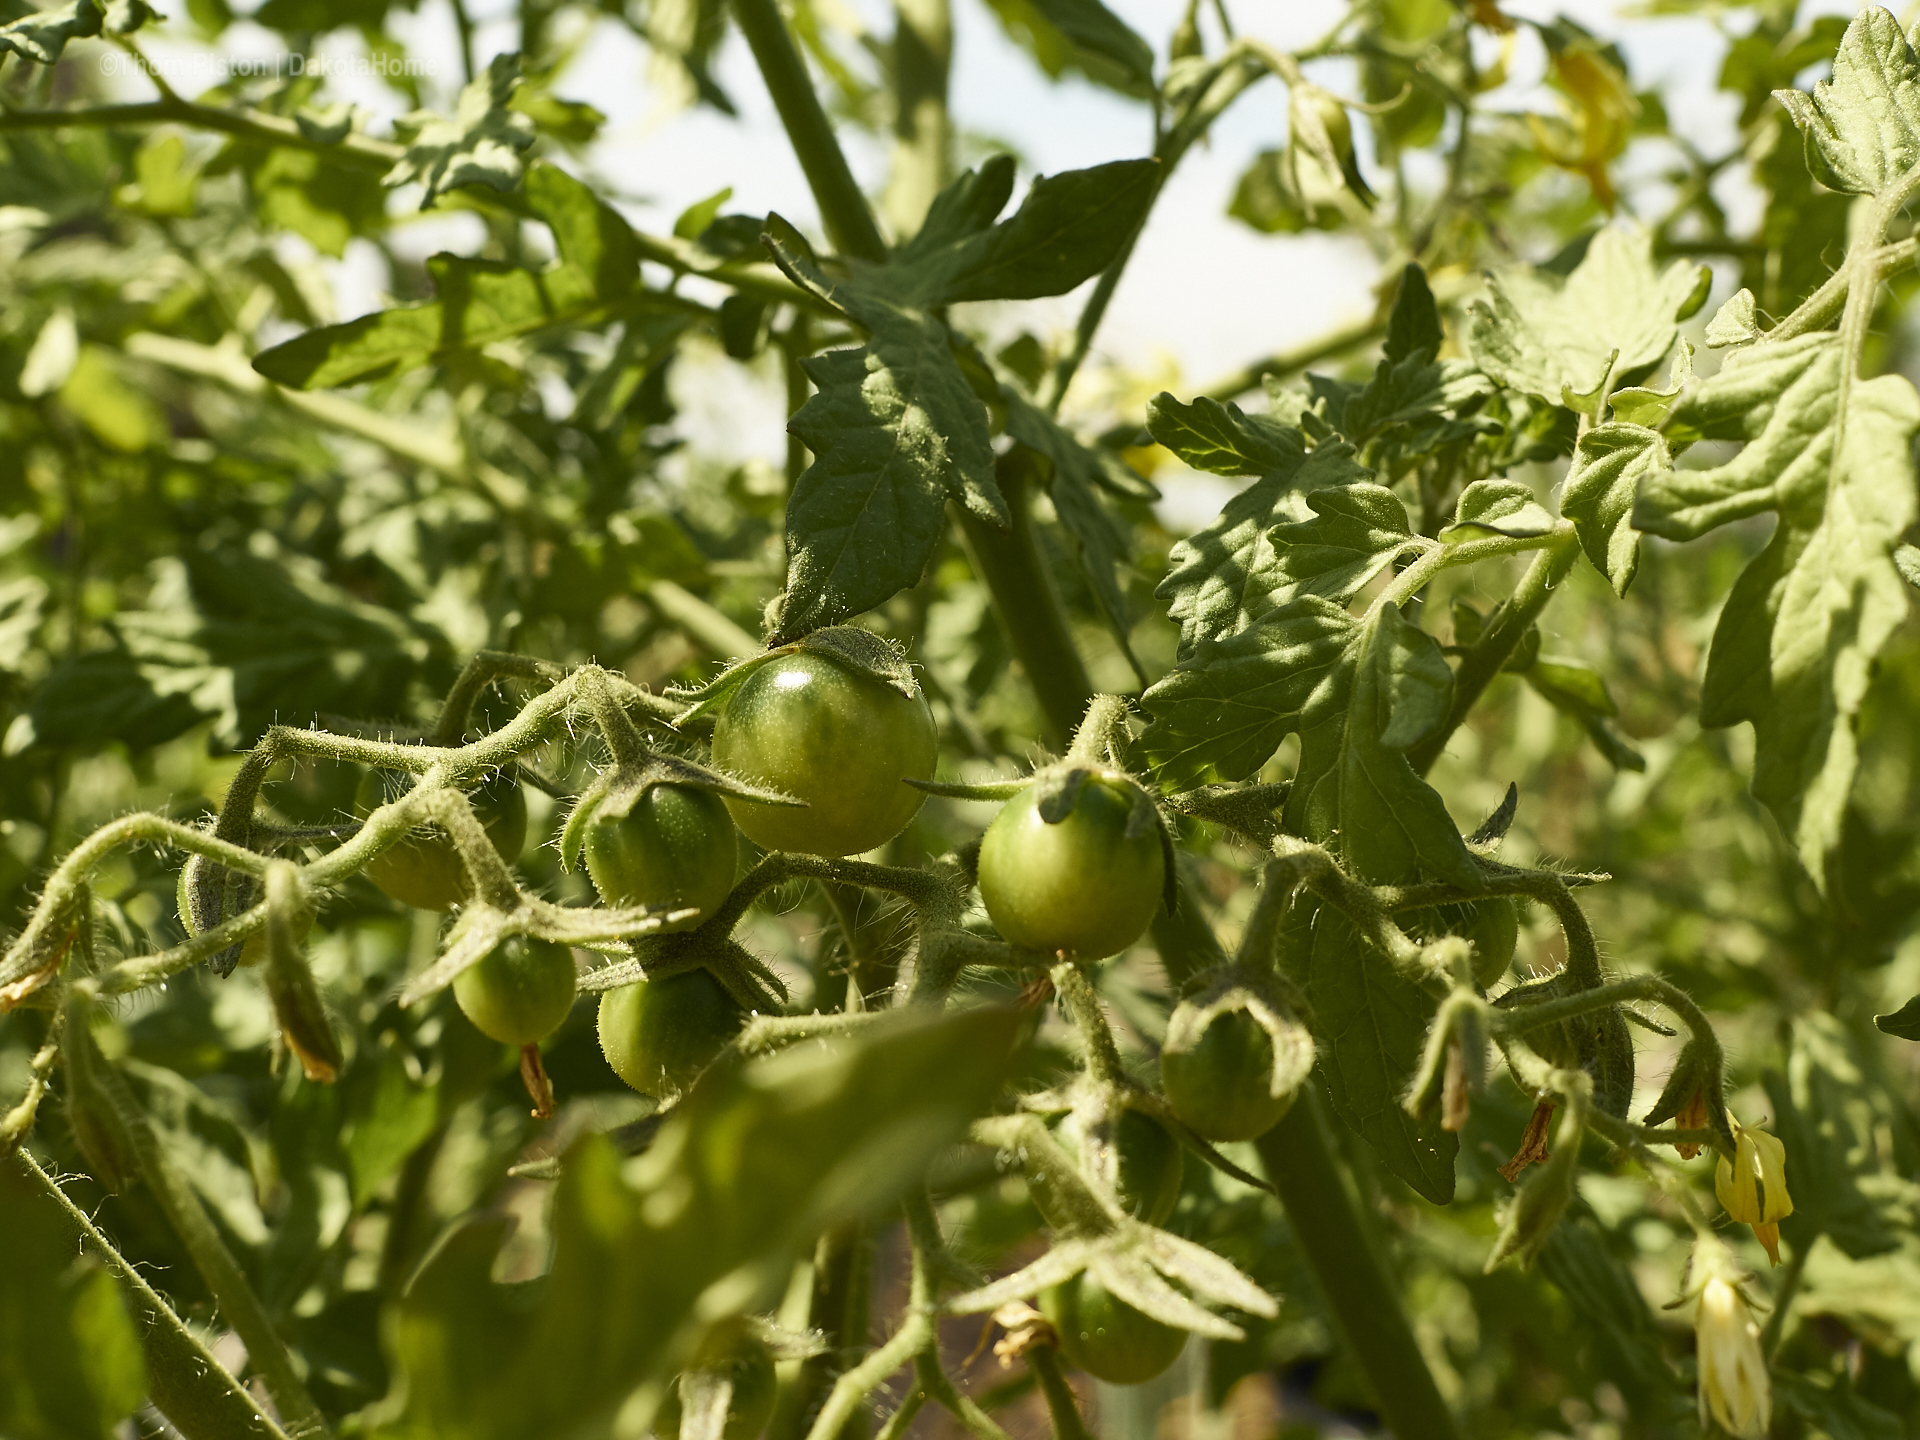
1204, 294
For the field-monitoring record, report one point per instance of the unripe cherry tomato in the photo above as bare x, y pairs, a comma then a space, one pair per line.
843, 742
1150, 1167
1082, 886
423, 869
676, 848
1105, 1336
660, 1034
1491, 926
1222, 1086
520, 991
749, 1365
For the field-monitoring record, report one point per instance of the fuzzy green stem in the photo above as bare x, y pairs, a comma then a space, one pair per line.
185, 1383
843, 208
1297, 1155
188, 1217
1082, 1003
1503, 633
1062, 1407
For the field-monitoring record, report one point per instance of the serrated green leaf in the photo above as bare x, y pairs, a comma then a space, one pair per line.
1545, 336
1645, 405
480, 144
1355, 789
1862, 127
1068, 228
1372, 1022
1609, 465
757, 1160
1074, 485
1222, 578
1357, 530
235, 637
1224, 709
1796, 639
1222, 439
1082, 35
1498, 507
479, 301
866, 516
1734, 323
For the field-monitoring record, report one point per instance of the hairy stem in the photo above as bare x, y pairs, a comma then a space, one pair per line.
843, 208
1297, 1155
185, 1383
1082, 1002
1503, 633
1063, 1409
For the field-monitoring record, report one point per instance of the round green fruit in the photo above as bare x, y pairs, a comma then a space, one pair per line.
843, 742
1083, 886
1105, 1336
1150, 1168
675, 849
423, 869
520, 991
1223, 1085
749, 1365
1494, 930
660, 1034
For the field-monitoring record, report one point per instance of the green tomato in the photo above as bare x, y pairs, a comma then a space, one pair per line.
1223, 1086
660, 1034
1081, 886
423, 869
1491, 926
520, 991
843, 742
749, 1365
676, 848
1150, 1169
1105, 1336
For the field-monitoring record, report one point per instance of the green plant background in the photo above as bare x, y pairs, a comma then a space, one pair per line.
191, 552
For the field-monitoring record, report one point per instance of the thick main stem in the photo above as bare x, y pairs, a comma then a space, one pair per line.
1297, 1155
843, 208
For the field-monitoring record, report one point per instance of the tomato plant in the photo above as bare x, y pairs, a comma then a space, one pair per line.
1105, 1336
1085, 883
843, 742
1454, 770
674, 850
660, 1034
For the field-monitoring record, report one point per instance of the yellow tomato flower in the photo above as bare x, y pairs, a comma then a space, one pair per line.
1753, 1186
1734, 1387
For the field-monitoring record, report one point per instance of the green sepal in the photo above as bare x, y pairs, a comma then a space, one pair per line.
953, 790
858, 651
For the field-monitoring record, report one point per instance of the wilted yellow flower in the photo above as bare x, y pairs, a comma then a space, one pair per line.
1734, 1387
1753, 1186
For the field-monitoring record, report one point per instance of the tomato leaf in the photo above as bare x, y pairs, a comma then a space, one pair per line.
1609, 322
1609, 464
1862, 127
478, 301
1222, 578
480, 144
1498, 507
757, 1159
1356, 531
1824, 1113
1796, 640
42, 36
1082, 35
1222, 439
1068, 228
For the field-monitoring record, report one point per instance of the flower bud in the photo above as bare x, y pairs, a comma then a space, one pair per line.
1734, 1388
1753, 1186
296, 999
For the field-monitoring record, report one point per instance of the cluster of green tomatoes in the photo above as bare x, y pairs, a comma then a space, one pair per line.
1078, 880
